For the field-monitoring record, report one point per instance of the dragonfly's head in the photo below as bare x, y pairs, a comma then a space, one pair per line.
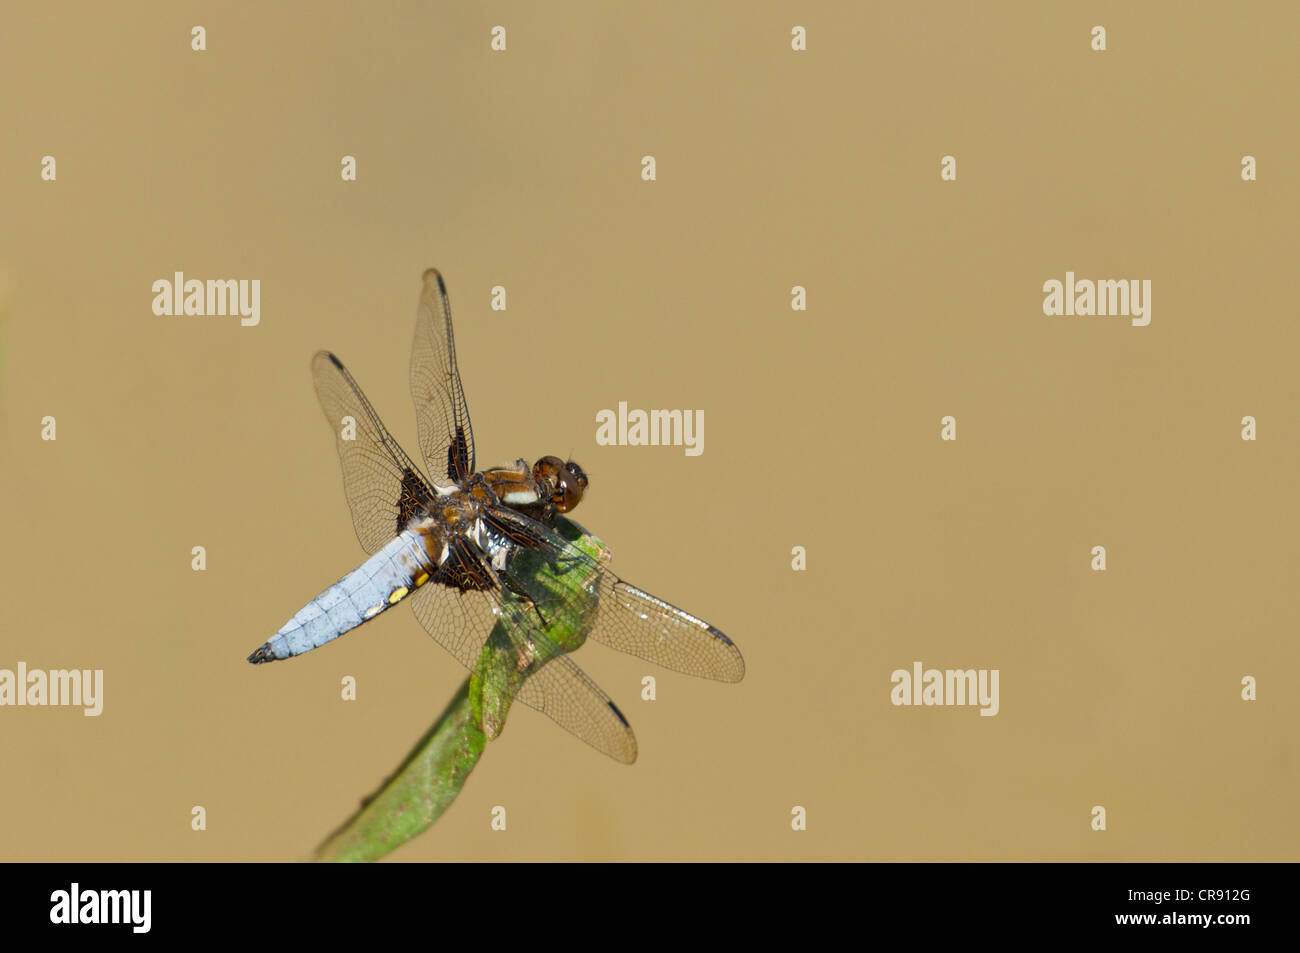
564, 482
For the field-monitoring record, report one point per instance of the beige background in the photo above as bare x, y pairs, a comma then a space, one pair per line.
822, 428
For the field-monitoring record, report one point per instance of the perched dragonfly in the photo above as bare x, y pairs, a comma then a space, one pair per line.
453, 545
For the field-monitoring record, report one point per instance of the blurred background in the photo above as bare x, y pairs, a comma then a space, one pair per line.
775, 168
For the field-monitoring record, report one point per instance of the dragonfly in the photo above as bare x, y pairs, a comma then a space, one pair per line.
464, 547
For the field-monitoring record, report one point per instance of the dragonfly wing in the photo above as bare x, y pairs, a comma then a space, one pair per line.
502, 637
460, 604
627, 618
383, 486
567, 695
441, 412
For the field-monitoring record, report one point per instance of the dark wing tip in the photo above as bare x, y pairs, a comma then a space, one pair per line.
626, 755
436, 275
734, 670
614, 709
326, 356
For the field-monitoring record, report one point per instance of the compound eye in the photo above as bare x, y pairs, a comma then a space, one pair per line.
571, 485
575, 471
547, 467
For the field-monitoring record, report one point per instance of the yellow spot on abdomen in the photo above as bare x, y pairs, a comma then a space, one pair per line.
421, 579
397, 595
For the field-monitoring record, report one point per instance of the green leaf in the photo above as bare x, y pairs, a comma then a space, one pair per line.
426, 783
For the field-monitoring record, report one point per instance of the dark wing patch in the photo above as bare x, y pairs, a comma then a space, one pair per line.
441, 411
465, 568
460, 456
414, 498
382, 483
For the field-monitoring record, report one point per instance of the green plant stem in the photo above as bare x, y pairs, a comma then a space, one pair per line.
431, 777
417, 793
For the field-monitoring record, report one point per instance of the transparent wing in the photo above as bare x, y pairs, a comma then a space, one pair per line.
441, 413
520, 662
627, 618
383, 486
564, 693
